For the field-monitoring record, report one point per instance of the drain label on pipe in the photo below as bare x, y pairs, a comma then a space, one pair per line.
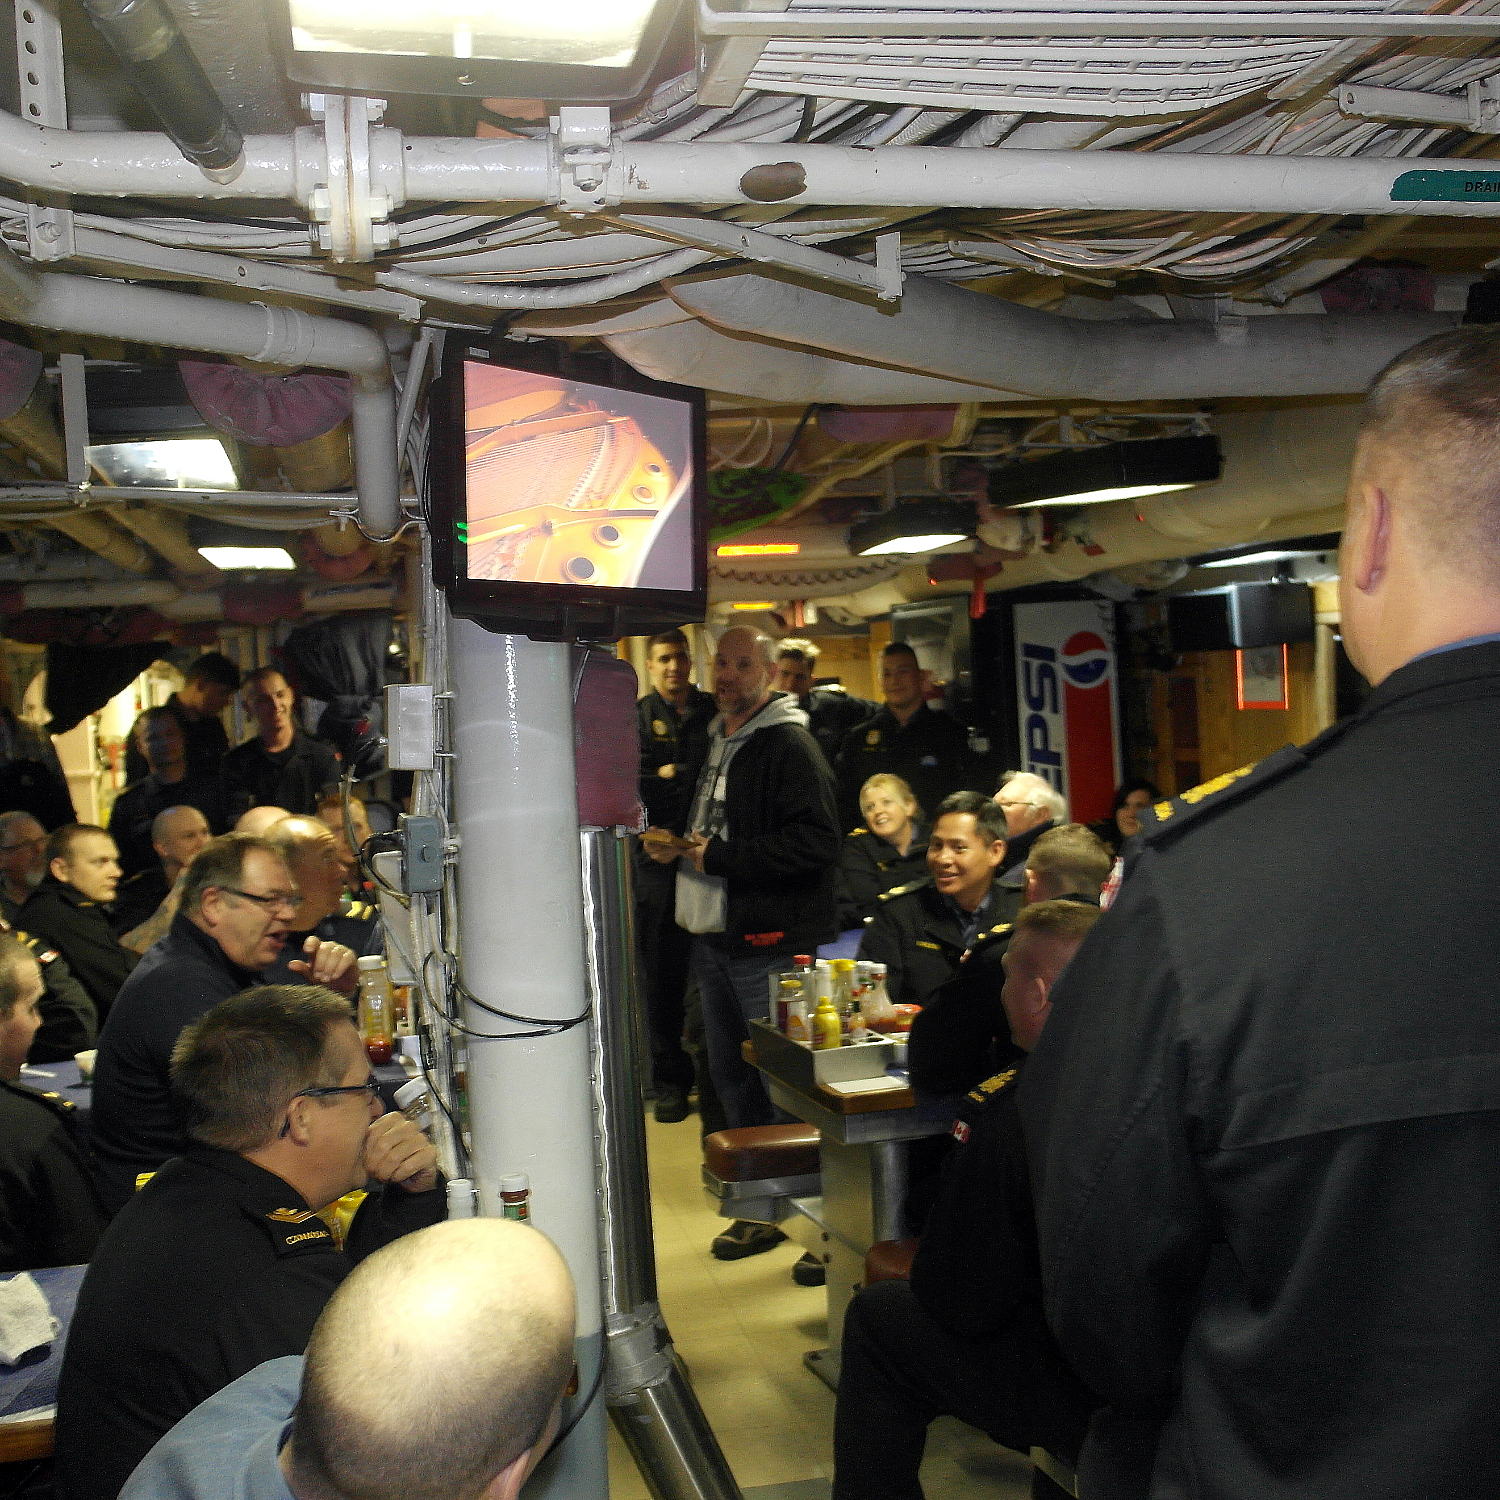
1445, 187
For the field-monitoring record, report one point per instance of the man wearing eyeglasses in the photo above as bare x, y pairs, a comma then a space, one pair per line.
238, 904
1032, 806
23, 860
221, 1261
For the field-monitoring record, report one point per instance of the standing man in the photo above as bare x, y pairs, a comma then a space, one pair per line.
210, 683
1265, 1114
280, 765
754, 874
169, 783
237, 905
673, 718
69, 910
831, 712
927, 748
23, 860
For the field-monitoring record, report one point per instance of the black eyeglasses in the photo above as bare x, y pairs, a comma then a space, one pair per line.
370, 1088
286, 901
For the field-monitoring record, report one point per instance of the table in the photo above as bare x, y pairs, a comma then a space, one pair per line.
28, 1393
863, 1165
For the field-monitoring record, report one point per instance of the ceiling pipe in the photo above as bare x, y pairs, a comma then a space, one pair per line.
58, 567
166, 534
95, 533
956, 334
264, 335
434, 169
195, 604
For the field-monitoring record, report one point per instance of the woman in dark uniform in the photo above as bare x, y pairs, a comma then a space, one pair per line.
887, 850
1132, 798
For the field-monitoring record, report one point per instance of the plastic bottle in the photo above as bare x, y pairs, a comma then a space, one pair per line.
376, 1009
515, 1196
827, 1028
790, 993
857, 1031
799, 1023
460, 1198
877, 1006
412, 1101
843, 985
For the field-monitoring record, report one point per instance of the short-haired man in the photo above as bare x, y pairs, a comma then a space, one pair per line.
921, 930
485, 1366
238, 902
208, 685
177, 834
221, 1261
1032, 806
69, 910
1264, 1119
965, 1336
926, 747
673, 719
831, 712
323, 910
50, 1210
959, 1038
168, 783
754, 875
331, 814
279, 764
23, 860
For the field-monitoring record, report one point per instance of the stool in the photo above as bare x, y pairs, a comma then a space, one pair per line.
754, 1172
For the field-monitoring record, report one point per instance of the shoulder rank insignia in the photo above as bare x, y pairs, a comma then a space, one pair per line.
904, 890
872, 736
982, 1091
999, 930
294, 1231
39, 951
1174, 812
659, 729
360, 911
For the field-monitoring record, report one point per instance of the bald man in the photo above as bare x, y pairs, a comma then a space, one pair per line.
458, 1398
258, 819
754, 875
177, 834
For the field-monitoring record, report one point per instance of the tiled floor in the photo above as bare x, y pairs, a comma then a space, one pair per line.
743, 1327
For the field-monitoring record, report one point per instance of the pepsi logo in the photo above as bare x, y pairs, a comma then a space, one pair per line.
1085, 659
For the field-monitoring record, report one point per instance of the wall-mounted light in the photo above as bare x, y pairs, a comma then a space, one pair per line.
166, 463
910, 526
758, 549
1112, 471
264, 558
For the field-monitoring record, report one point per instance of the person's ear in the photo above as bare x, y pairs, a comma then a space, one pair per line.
297, 1127
506, 1485
1369, 552
58, 868
1028, 895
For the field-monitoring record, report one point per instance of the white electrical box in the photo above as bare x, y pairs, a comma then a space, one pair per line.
410, 727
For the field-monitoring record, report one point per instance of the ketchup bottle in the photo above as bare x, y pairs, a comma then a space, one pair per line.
376, 1009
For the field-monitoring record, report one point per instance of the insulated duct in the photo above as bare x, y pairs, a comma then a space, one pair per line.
267, 335
965, 336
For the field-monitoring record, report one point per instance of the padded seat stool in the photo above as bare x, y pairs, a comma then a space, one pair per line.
755, 1171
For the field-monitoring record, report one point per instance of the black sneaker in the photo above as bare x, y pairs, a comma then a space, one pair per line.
670, 1107
745, 1237
810, 1271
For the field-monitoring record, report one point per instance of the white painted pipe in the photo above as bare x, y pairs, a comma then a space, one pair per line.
961, 335
443, 169
521, 931
196, 604
268, 335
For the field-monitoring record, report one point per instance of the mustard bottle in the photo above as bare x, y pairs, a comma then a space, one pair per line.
827, 1028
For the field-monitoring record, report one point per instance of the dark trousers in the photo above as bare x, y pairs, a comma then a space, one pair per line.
899, 1371
665, 949
734, 989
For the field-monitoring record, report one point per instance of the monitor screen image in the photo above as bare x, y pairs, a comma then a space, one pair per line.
573, 483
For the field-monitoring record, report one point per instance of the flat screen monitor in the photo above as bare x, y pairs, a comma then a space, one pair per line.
1241, 616
566, 494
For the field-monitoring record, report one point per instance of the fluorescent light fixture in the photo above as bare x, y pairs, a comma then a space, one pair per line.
758, 549
912, 526
571, 51
1248, 559
172, 463
1112, 471
264, 558
753, 604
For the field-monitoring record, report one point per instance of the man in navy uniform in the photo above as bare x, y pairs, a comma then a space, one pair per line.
673, 718
831, 712
1265, 1115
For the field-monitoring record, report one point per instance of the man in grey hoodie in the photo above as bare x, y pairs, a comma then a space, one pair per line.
755, 872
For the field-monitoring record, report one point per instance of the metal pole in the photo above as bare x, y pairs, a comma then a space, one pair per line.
651, 1400
521, 937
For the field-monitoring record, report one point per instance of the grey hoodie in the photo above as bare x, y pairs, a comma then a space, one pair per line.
701, 899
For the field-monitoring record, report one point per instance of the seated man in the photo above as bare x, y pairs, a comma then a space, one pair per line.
1032, 806
50, 1211
221, 1261
147, 902
69, 910
323, 911
960, 1038
238, 900
922, 929
23, 860
965, 1336
331, 813
486, 1367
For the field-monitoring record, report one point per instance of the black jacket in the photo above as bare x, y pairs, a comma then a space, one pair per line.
70, 1023
670, 737
1264, 1118
51, 1213
136, 808
831, 714
778, 861
213, 1267
930, 753
135, 1124
79, 929
962, 1037
292, 778
868, 867
204, 738
919, 939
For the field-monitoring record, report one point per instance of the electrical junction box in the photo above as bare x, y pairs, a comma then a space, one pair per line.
410, 727
421, 853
